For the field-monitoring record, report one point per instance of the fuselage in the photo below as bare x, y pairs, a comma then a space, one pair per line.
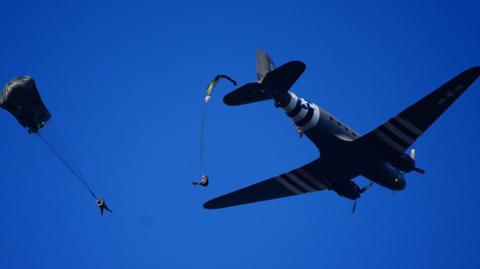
335, 140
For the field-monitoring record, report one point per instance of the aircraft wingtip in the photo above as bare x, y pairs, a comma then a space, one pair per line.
215, 204
298, 64
474, 72
209, 205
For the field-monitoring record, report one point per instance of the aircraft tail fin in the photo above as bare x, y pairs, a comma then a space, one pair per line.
250, 92
280, 80
264, 64
272, 83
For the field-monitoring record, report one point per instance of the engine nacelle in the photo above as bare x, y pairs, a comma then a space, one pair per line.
348, 190
402, 162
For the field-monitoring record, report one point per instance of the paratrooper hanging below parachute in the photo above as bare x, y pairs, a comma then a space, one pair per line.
203, 182
21, 98
208, 94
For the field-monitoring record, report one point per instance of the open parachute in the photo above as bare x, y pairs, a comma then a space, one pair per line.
208, 95
21, 98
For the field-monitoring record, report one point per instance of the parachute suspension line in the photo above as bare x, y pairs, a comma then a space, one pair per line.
208, 95
203, 161
52, 134
69, 167
63, 145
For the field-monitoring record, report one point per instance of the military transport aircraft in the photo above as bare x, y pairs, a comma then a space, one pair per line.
378, 156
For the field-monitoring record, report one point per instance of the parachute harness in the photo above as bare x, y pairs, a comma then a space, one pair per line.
208, 95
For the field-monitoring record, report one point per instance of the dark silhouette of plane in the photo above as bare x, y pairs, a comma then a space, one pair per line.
379, 155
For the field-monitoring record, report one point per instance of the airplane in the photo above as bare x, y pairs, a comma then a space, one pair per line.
379, 155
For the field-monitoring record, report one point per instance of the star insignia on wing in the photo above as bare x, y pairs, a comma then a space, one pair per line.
450, 94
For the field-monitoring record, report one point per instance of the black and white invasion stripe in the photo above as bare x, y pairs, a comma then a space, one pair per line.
398, 133
300, 181
305, 114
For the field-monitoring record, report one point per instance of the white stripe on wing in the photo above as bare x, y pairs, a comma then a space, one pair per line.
300, 182
287, 185
399, 133
389, 141
316, 182
409, 126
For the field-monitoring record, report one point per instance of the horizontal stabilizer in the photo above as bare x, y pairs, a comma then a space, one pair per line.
248, 93
283, 78
279, 80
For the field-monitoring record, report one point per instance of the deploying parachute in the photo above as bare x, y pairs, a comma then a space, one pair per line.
246, 94
208, 95
213, 83
21, 98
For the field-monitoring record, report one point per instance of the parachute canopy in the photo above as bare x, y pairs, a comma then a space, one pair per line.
20, 97
213, 83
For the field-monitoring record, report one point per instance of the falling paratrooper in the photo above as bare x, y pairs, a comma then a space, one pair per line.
208, 95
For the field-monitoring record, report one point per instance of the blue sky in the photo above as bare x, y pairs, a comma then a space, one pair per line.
125, 81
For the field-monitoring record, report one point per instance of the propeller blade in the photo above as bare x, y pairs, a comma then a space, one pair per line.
362, 190
412, 154
368, 186
419, 170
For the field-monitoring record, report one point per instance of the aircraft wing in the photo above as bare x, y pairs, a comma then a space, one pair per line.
307, 178
401, 131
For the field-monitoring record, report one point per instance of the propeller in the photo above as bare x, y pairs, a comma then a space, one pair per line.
419, 170
416, 169
362, 190
368, 186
